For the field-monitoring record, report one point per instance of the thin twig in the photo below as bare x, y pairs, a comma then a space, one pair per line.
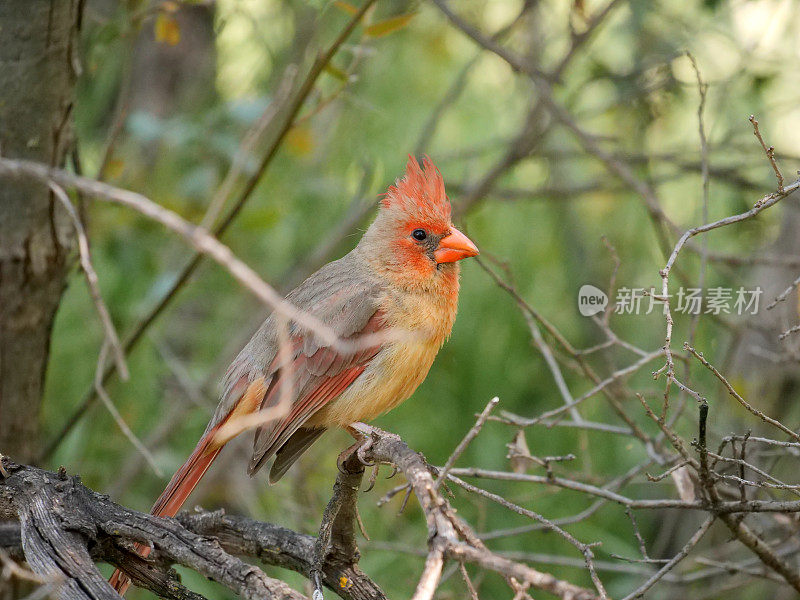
92, 281
775, 423
784, 294
246, 147
702, 88
473, 593
690, 544
198, 237
112, 409
788, 332
769, 151
474, 430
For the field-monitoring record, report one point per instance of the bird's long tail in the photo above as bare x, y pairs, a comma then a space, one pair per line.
175, 494
246, 397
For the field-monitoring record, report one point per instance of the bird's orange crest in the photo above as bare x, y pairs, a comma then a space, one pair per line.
420, 192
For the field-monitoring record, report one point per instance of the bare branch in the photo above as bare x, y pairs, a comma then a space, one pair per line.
775, 423
446, 530
198, 237
126, 430
769, 151
693, 541
92, 281
476, 428
60, 519
784, 294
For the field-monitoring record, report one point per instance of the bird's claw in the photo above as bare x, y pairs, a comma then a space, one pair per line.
372, 478
357, 449
363, 446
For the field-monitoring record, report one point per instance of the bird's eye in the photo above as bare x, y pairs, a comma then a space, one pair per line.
419, 234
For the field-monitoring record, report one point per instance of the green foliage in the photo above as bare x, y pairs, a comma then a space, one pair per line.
630, 84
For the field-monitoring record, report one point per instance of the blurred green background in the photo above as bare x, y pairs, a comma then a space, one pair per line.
186, 82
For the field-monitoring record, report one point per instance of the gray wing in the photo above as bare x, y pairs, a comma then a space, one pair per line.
346, 299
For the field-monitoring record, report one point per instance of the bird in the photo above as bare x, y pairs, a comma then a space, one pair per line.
393, 298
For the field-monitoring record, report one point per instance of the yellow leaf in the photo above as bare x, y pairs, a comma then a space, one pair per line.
336, 72
388, 26
345, 7
114, 168
300, 141
167, 29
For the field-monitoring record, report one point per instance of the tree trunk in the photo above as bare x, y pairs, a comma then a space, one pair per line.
37, 77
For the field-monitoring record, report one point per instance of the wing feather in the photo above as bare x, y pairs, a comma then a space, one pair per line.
313, 381
290, 451
344, 297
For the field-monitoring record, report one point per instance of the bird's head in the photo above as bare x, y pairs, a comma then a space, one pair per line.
412, 235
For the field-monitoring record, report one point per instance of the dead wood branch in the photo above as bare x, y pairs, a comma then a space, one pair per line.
65, 528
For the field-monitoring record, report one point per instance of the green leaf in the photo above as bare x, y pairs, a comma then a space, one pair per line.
336, 72
345, 7
388, 26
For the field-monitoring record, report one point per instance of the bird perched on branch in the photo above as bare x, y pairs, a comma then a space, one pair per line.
391, 301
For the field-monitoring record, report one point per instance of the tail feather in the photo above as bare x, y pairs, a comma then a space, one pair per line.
243, 398
300, 441
175, 494
184, 481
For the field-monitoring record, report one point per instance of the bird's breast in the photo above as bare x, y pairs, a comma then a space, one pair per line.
421, 323
389, 379
417, 324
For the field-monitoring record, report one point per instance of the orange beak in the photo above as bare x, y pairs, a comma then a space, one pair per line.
454, 246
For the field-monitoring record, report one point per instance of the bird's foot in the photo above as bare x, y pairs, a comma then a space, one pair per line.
351, 461
361, 453
363, 436
359, 430
356, 454
373, 477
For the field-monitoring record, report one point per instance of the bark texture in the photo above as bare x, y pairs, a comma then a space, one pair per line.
65, 528
37, 76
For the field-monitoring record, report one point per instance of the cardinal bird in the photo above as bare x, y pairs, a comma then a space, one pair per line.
402, 276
